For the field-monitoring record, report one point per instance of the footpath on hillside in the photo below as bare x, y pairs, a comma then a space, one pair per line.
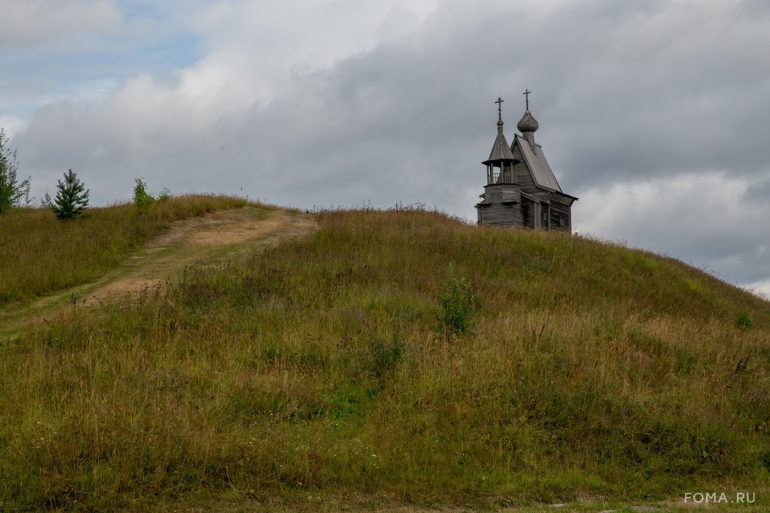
206, 240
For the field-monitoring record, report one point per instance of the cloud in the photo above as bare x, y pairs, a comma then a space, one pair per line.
760, 288
644, 113
25, 22
12, 125
707, 219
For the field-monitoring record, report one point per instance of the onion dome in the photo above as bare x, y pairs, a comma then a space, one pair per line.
527, 123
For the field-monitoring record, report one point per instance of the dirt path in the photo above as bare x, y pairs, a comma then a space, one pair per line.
209, 239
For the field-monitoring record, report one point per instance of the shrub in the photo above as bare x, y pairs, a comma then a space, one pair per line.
12, 192
71, 197
142, 199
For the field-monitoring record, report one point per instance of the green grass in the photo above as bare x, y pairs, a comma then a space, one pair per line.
321, 367
39, 254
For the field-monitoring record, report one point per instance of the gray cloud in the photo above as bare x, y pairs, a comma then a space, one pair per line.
26, 22
719, 231
661, 104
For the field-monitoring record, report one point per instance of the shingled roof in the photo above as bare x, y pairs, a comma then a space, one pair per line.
537, 164
500, 150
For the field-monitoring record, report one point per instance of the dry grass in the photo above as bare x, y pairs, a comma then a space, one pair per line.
39, 254
321, 365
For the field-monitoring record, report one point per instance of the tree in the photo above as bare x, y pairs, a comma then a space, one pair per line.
12, 192
71, 197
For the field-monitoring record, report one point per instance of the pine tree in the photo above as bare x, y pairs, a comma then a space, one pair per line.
71, 197
12, 193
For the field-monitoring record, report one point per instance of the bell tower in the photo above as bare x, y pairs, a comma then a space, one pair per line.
501, 205
500, 162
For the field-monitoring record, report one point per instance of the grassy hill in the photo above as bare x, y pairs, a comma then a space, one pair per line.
338, 364
39, 255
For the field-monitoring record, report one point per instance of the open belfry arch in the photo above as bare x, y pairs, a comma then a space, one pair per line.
521, 189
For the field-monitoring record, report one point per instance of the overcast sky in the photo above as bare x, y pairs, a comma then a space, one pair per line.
655, 113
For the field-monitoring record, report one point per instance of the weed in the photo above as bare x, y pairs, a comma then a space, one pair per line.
458, 304
384, 356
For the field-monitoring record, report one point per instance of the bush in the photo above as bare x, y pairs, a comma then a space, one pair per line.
12, 193
457, 304
71, 197
142, 199
743, 321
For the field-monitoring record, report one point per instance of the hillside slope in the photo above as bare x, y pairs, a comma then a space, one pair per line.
40, 255
322, 364
204, 239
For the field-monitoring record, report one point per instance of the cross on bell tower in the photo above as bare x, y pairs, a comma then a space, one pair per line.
500, 162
